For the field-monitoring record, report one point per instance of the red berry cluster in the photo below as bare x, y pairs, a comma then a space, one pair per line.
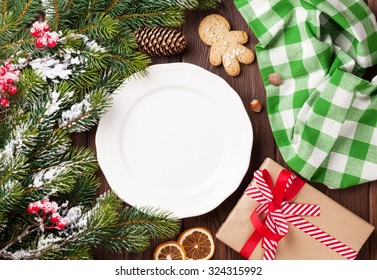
47, 211
8, 78
41, 31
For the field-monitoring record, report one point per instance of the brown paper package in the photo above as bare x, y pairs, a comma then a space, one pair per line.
297, 245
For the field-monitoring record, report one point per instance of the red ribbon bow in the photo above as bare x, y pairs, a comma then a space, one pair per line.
274, 202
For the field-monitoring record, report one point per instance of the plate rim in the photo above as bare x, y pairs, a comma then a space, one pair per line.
209, 204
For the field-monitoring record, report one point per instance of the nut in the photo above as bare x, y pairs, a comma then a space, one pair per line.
275, 79
256, 106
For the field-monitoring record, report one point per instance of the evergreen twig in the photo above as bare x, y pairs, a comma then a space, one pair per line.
96, 52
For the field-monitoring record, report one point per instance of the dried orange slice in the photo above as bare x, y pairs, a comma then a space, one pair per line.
198, 243
170, 250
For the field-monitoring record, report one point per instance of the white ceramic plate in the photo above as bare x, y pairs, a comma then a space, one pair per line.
179, 140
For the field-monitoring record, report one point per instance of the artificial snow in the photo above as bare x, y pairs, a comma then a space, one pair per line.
7, 154
93, 46
45, 242
82, 222
55, 68
54, 104
46, 176
75, 112
73, 215
51, 68
8, 186
22, 62
21, 254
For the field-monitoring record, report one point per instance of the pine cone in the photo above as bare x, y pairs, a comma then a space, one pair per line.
158, 41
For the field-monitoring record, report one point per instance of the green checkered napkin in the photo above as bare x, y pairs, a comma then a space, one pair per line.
324, 116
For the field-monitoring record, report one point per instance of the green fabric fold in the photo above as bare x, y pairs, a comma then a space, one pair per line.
324, 115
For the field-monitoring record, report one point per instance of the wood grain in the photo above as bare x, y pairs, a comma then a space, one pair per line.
372, 203
362, 200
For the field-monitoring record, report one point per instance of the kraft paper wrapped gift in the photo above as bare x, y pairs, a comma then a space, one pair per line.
334, 219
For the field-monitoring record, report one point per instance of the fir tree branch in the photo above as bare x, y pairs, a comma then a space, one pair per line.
24, 10
36, 159
35, 154
76, 120
16, 43
109, 8
28, 231
87, 28
183, 4
142, 15
93, 3
14, 169
10, 196
5, 255
83, 192
58, 144
31, 85
4, 10
207, 4
5, 178
100, 27
69, 4
6, 110
10, 116
56, 7
122, 59
78, 253
4, 27
71, 239
158, 223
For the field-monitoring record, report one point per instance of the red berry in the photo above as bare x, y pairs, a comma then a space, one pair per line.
61, 224
39, 43
4, 102
55, 217
30, 209
3, 71
33, 32
46, 28
9, 66
9, 81
51, 43
13, 90
4, 87
33, 207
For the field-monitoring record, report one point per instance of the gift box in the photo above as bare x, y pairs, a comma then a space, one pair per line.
308, 226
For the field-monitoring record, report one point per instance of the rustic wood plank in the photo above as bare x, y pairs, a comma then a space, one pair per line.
371, 73
249, 86
80, 139
373, 220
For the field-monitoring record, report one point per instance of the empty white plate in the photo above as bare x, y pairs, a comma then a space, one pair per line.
179, 139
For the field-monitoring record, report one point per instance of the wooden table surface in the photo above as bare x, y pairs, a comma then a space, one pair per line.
361, 200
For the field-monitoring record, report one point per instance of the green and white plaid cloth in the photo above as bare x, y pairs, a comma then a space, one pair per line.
323, 116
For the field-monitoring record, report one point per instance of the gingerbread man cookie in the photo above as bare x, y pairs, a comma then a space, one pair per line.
226, 45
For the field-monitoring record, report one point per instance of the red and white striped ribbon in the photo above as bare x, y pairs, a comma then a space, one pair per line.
270, 246
322, 236
277, 219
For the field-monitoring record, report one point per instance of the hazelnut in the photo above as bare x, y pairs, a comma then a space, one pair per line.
275, 79
256, 106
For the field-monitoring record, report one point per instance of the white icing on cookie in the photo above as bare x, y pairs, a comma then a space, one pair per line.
221, 29
232, 54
